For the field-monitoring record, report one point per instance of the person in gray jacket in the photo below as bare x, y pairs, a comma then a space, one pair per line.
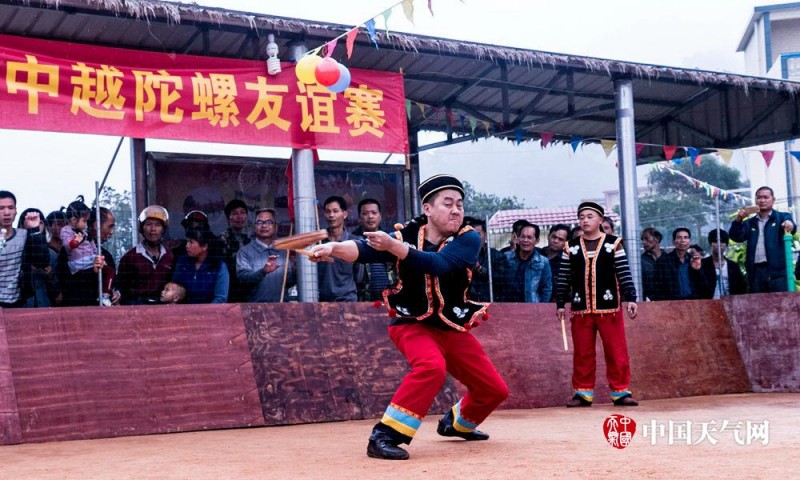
259, 266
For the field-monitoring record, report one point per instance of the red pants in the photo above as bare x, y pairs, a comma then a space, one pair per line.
432, 353
612, 333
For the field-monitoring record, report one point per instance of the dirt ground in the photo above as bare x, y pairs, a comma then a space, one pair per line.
540, 443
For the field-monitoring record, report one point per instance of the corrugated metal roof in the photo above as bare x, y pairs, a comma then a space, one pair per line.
503, 220
512, 89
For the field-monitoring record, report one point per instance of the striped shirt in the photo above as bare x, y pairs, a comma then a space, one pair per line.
10, 265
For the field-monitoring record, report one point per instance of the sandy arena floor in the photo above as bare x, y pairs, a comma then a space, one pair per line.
540, 443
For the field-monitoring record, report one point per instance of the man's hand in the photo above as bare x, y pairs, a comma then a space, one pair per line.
788, 226
632, 309
696, 262
272, 264
322, 253
99, 262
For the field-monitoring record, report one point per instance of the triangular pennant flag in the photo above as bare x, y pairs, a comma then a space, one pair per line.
370, 24
608, 146
450, 118
518, 133
676, 161
430, 6
639, 147
486, 126
386, 15
725, 154
694, 153
546, 137
351, 40
408, 108
796, 155
767, 154
330, 47
408, 9
462, 118
575, 142
669, 152
472, 124
421, 107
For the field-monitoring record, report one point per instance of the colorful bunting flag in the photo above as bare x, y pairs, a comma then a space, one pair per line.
694, 155
669, 151
408, 9
767, 154
472, 124
546, 138
725, 154
386, 14
330, 47
575, 142
639, 148
421, 108
518, 133
796, 155
608, 146
370, 24
408, 108
351, 40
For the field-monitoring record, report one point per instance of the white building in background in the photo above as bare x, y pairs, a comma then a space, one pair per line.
771, 46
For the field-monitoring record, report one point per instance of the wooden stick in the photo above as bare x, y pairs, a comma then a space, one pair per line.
564, 335
301, 240
286, 265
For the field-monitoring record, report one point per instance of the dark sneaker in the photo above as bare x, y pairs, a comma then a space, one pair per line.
446, 429
626, 401
578, 401
381, 445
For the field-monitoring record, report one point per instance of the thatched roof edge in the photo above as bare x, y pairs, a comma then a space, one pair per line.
175, 12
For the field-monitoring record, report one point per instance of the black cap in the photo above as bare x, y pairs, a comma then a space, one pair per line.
723, 236
591, 206
234, 204
437, 183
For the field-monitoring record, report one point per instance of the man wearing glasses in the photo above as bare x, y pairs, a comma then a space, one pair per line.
259, 266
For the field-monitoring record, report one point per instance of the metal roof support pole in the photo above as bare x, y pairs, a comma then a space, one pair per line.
305, 205
138, 184
626, 154
412, 175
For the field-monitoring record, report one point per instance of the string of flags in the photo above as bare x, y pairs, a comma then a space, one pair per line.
710, 190
674, 153
325, 70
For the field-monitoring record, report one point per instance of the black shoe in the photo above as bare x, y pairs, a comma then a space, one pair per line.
381, 445
626, 401
578, 401
446, 429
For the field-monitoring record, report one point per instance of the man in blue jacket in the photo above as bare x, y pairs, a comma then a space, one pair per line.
766, 258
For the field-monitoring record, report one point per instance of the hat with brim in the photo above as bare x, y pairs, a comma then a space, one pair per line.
591, 206
437, 183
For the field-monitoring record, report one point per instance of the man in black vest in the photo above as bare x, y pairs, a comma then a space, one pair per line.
597, 260
431, 318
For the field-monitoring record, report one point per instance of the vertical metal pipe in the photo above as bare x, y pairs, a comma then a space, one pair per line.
305, 204
138, 185
413, 173
99, 240
489, 260
719, 249
626, 152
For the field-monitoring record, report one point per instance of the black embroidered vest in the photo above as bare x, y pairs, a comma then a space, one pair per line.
432, 299
594, 280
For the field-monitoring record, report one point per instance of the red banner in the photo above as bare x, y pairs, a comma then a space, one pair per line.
66, 87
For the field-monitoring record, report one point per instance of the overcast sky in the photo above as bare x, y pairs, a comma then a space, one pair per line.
48, 170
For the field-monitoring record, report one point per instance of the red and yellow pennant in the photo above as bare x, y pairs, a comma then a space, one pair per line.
56, 86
